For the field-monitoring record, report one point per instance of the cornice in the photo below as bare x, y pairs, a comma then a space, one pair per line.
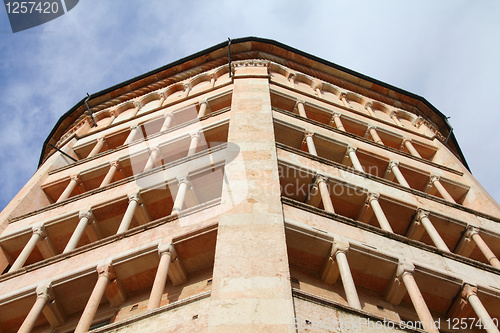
246, 48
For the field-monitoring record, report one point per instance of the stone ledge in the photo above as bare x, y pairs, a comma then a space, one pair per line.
136, 142
297, 293
154, 312
120, 182
354, 136
385, 182
396, 237
109, 240
340, 106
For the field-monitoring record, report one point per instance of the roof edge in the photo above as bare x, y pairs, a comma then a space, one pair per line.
224, 44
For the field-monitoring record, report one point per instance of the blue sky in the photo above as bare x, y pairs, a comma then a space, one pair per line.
446, 51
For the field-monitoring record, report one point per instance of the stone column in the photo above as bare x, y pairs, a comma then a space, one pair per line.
300, 108
337, 121
97, 148
169, 116
485, 250
195, 137
291, 79
395, 118
434, 180
104, 274
394, 167
339, 251
138, 106
167, 254
113, 167
368, 107
423, 217
321, 182
85, 217
112, 118
38, 233
212, 80
203, 108
74, 180
373, 133
351, 153
317, 88
372, 198
343, 98
163, 97
424, 315
308, 136
181, 195
187, 89
44, 294
152, 159
407, 143
133, 200
469, 293
131, 136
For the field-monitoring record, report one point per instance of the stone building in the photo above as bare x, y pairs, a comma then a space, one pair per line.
268, 191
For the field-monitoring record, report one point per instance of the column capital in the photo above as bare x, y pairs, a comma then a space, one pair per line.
320, 178
134, 127
418, 121
39, 230
105, 270
203, 101
168, 114
115, 164
184, 180
468, 290
370, 196
163, 94
167, 248
368, 105
471, 231
134, 197
343, 95
301, 101
317, 85
74, 177
87, 213
368, 129
195, 134
406, 139
154, 149
393, 164
336, 114
114, 112
45, 291
291, 76
434, 178
138, 104
421, 213
404, 267
187, 86
308, 133
351, 149
339, 246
